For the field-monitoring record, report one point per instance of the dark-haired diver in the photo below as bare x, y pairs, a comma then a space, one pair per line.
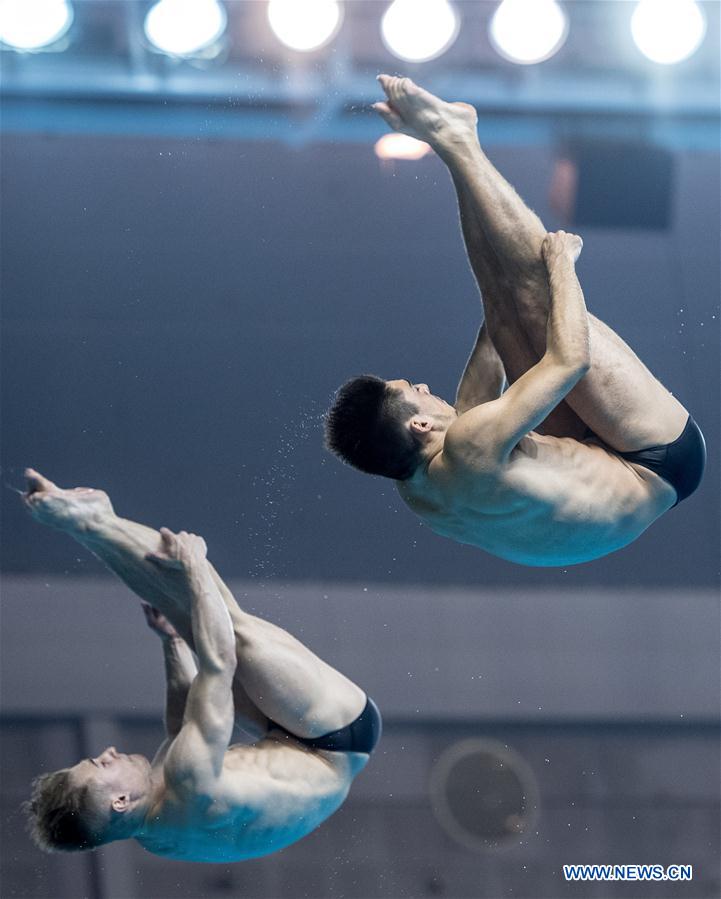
583, 451
201, 799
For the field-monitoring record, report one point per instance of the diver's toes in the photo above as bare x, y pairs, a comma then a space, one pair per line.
36, 482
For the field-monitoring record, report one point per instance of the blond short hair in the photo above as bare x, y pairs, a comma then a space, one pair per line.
60, 815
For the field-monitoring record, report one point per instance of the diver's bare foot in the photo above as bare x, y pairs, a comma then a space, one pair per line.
79, 510
414, 111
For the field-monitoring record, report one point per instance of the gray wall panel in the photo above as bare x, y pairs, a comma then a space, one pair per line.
80, 645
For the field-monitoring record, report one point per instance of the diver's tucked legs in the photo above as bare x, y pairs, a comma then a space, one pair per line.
291, 685
619, 399
504, 328
277, 677
88, 516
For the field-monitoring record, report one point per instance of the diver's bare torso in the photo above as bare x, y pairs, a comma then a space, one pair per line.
555, 501
268, 796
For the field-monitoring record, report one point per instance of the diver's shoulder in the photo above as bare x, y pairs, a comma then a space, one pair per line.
470, 447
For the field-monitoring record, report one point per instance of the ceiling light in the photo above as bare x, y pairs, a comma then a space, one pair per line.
668, 31
528, 31
401, 146
185, 27
305, 24
33, 24
419, 30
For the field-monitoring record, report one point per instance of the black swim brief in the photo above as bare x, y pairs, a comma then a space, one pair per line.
681, 463
361, 735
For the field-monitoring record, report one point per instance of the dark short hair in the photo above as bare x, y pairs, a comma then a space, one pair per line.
365, 426
60, 816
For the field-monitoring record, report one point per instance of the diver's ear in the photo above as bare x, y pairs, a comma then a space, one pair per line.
421, 425
120, 803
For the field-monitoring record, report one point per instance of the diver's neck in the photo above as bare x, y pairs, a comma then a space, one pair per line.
150, 821
420, 477
432, 449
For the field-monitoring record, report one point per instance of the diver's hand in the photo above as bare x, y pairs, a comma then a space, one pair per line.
560, 246
158, 623
184, 552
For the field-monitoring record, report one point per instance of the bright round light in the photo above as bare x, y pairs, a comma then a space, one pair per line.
184, 27
32, 24
401, 146
418, 30
528, 31
668, 31
304, 24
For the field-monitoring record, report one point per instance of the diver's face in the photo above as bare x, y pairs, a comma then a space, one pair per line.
112, 773
421, 396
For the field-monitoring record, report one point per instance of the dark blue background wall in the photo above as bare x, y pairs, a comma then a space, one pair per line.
178, 314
